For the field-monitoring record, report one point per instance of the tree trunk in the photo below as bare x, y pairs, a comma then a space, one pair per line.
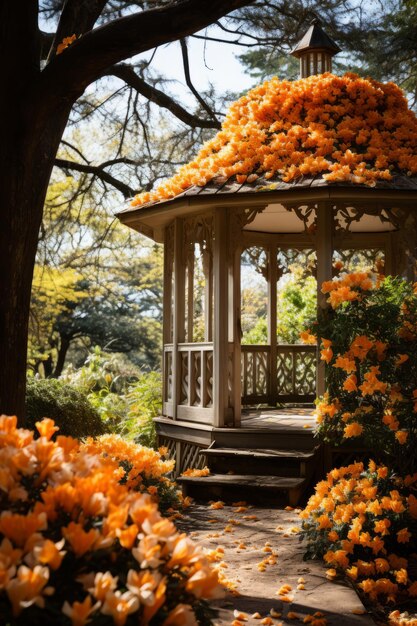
28, 147
62, 353
47, 367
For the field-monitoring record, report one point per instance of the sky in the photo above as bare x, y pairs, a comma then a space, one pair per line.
209, 62
217, 64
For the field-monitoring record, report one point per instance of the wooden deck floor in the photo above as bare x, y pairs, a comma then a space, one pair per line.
296, 419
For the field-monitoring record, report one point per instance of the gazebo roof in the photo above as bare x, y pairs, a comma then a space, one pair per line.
221, 186
319, 132
151, 218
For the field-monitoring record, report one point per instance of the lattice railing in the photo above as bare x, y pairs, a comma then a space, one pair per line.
295, 374
184, 454
196, 374
169, 444
256, 368
195, 377
189, 457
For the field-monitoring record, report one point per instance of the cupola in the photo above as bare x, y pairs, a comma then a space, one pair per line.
315, 51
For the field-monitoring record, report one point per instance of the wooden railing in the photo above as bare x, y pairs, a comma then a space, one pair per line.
292, 378
195, 382
196, 367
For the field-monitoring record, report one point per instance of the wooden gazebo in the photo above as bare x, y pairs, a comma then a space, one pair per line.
208, 375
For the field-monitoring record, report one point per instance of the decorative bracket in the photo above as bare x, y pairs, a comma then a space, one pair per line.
306, 213
346, 215
238, 219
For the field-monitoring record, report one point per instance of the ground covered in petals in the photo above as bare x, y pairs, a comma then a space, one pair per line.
260, 557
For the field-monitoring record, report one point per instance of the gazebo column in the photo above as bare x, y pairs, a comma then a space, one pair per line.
404, 245
178, 317
324, 251
220, 335
272, 322
167, 329
235, 331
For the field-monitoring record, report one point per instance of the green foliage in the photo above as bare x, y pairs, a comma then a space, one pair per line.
258, 333
296, 300
144, 399
372, 367
94, 282
55, 292
264, 63
67, 406
127, 399
377, 39
296, 306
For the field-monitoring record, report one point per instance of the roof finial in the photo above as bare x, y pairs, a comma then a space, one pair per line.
315, 50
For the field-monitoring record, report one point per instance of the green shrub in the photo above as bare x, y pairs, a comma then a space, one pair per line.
66, 405
110, 373
369, 343
144, 400
126, 399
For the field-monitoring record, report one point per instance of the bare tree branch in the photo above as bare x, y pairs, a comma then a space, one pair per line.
186, 64
68, 74
98, 172
128, 75
233, 42
75, 149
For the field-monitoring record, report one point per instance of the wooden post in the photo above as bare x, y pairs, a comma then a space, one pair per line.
167, 307
190, 260
179, 313
208, 295
235, 332
167, 302
272, 322
220, 343
324, 250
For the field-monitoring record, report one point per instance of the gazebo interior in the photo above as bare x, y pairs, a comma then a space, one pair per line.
226, 400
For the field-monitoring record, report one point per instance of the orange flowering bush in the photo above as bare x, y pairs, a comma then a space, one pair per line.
145, 469
396, 618
346, 128
369, 345
363, 522
78, 546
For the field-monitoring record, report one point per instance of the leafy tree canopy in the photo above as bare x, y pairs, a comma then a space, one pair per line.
95, 283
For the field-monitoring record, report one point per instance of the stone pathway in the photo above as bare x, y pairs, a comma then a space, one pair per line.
263, 552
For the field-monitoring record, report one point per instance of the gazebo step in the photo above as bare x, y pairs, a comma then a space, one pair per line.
231, 487
260, 453
262, 438
260, 461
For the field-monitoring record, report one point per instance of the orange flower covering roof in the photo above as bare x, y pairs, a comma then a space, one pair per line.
344, 128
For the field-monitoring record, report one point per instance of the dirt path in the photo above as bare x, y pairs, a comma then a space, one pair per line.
262, 553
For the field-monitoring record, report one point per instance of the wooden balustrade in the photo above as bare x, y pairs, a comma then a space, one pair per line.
195, 381
295, 377
295, 374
